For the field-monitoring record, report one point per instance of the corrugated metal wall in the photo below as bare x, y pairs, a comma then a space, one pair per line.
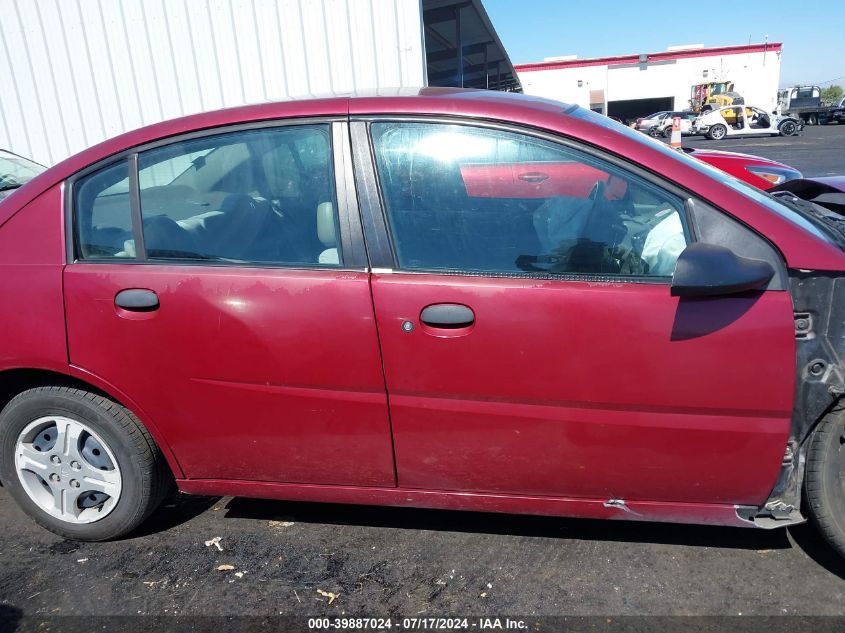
74, 72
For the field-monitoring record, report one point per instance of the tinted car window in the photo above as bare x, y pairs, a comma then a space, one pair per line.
459, 198
259, 196
103, 220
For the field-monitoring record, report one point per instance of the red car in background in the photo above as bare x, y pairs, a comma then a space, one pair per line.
755, 170
458, 299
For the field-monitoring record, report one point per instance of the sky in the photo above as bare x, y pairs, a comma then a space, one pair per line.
813, 40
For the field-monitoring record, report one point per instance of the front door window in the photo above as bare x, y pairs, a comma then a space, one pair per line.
479, 200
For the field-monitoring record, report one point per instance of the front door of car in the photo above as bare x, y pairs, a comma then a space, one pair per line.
531, 345
227, 302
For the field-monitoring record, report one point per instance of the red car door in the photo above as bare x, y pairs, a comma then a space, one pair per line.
531, 346
226, 301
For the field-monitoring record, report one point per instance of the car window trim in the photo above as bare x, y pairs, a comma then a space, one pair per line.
353, 247
349, 218
135, 208
373, 209
373, 219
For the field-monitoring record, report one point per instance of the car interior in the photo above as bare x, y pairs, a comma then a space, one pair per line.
759, 119
616, 224
738, 117
266, 196
262, 196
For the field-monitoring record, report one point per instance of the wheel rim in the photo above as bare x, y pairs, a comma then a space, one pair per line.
719, 132
789, 128
67, 470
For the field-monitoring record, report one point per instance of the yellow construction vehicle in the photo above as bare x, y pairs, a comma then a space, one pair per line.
714, 95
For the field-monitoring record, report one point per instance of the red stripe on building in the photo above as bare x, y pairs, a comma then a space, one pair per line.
652, 57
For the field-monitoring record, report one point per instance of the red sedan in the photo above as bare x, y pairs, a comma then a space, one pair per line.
755, 170
456, 299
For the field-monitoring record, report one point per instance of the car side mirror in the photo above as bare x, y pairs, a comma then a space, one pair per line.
707, 270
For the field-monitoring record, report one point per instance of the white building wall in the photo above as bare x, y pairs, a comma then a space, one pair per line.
755, 75
75, 72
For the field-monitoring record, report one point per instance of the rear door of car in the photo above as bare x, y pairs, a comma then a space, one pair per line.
219, 279
530, 342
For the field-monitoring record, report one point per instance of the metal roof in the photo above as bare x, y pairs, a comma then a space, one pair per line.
463, 49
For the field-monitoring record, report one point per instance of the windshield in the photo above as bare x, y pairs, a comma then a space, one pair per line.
806, 222
15, 171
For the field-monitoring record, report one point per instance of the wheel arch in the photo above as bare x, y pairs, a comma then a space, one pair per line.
14, 381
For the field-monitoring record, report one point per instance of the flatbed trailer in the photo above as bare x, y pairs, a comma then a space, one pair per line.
804, 103
818, 116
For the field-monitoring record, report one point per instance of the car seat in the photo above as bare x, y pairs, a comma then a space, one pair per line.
163, 237
327, 233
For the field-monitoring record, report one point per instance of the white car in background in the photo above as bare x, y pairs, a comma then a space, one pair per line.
664, 128
645, 124
744, 120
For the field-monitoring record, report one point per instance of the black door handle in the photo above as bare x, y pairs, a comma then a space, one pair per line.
137, 300
450, 316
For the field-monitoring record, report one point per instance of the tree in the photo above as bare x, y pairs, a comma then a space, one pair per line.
832, 94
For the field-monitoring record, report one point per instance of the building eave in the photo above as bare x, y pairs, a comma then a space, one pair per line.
652, 57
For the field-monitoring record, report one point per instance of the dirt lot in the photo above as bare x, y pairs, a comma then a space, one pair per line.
290, 557
309, 559
817, 151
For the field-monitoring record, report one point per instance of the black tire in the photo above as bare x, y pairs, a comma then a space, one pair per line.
824, 489
144, 473
812, 120
667, 133
787, 128
717, 132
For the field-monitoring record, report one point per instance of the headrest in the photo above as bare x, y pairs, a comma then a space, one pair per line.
325, 224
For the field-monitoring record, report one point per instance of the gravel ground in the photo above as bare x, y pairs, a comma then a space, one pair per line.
290, 558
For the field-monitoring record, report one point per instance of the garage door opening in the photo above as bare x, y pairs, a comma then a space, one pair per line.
632, 109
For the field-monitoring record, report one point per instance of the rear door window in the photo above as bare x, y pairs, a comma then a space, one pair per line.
102, 214
260, 196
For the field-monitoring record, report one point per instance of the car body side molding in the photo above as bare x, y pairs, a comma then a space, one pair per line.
660, 511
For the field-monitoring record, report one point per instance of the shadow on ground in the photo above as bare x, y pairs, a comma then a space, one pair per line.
507, 524
175, 510
811, 542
